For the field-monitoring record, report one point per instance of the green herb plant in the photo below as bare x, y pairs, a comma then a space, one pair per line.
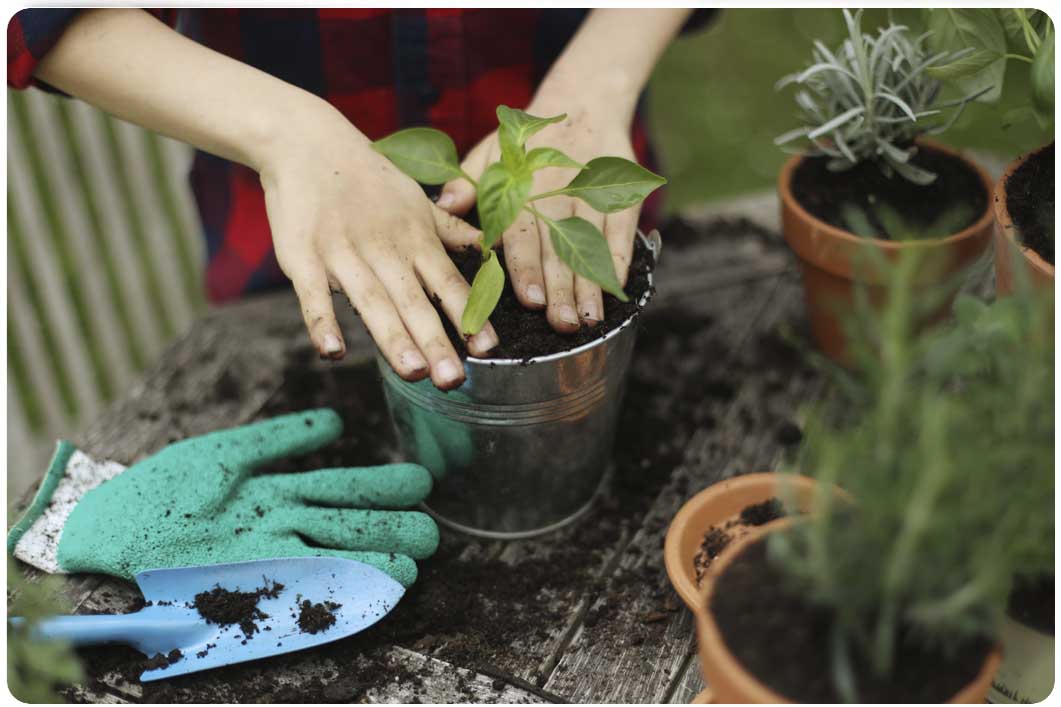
945, 441
607, 184
36, 670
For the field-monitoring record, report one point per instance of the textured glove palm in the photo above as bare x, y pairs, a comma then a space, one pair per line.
199, 502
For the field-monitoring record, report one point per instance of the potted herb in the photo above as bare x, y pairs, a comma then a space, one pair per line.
944, 442
871, 185
1024, 196
523, 445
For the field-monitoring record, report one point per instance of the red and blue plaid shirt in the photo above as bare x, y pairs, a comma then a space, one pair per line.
384, 69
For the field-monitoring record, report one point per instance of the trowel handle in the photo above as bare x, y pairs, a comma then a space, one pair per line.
102, 628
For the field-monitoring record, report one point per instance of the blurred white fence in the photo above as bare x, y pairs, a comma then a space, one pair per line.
103, 266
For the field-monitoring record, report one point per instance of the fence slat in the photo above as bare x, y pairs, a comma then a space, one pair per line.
92, 276
132, 281
161, 253
58, 309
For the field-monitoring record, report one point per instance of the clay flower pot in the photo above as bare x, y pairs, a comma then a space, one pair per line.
832, 259
731, 683
1006, 244
713, 506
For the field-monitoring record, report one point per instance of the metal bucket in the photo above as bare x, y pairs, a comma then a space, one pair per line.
522, 447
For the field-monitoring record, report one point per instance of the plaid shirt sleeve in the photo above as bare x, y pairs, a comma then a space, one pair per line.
32, 33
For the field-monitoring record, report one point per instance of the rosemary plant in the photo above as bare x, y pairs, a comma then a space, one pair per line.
607, 184
946, 443
871, 97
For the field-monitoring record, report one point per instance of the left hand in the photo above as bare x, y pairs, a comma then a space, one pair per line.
539, 278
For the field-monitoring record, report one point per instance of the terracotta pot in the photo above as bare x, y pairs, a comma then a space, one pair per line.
832, 260
713, 506
1007, 245
731, 683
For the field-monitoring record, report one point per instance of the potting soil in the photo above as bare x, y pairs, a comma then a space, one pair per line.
1030, 200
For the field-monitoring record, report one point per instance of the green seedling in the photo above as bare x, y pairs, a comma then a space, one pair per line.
607, 184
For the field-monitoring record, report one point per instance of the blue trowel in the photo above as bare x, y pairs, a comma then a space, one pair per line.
356, 595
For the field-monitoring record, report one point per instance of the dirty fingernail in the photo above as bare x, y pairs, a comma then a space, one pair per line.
484, 340
445, 200
535, 294
332, 344
567, 313
412, 361
448, 371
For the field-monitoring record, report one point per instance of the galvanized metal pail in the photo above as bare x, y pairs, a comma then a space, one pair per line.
522, 447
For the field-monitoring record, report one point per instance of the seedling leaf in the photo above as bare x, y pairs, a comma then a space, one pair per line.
502, 193
425, 154
583, 247
611, 184
484, 295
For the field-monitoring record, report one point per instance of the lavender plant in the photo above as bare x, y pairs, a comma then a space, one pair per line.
607, 184
946, 442
870, 98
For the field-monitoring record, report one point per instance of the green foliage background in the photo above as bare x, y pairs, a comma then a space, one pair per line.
714, 113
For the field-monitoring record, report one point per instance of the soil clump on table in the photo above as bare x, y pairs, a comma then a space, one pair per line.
785, 641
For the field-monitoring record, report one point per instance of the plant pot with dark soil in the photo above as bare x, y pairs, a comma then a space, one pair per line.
760, 641
871, 186
943, 441
523, 445
1024, 217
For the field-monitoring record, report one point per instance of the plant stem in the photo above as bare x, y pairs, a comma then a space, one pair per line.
1019, 57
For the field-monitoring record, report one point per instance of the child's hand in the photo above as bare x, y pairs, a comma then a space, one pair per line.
344, 218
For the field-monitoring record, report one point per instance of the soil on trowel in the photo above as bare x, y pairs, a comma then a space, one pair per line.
225, 608
786, 642
718, 537
825, 193
486, 606
316, 617
163, 661
526, 333
1030, 201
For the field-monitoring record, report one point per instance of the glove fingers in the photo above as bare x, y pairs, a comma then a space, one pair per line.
390, 486
400, 567
406, 532
269, 440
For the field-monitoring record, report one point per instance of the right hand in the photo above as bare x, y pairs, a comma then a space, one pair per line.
344, 218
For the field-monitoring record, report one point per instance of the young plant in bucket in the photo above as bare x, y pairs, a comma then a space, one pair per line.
944, 442
869, 180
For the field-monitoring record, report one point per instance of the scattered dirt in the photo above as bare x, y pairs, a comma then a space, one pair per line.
718, 537
785, 641
314, 618
163, 661
525, 333
822, 192
1030, 200
224, 608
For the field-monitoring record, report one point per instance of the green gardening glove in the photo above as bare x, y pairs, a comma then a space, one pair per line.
198, 502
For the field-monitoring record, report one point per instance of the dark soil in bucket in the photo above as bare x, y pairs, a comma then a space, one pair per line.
957, 189
1032, 602
316, 617
526, 333
1030, 201
786, 643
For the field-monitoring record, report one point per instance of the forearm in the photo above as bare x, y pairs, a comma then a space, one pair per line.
610, 58
127, 63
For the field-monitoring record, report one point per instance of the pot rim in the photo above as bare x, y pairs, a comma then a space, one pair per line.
654, 243
711, 641
1005, 221
784, 184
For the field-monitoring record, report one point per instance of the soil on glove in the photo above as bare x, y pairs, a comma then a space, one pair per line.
1030, 201
526, 333
225, 608
785, 641
824, 192
316, 617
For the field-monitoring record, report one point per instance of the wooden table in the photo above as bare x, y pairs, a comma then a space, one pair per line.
621, 635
